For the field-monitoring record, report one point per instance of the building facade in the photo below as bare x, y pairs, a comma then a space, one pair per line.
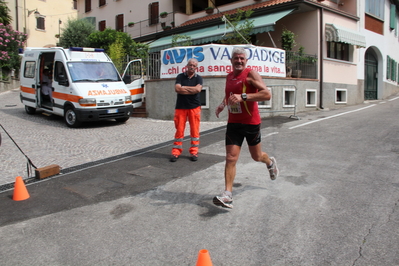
354, 42
42, 20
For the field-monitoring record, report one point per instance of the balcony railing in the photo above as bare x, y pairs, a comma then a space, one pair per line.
143, 27
301, 65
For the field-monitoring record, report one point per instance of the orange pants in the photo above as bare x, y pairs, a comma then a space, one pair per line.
194, 118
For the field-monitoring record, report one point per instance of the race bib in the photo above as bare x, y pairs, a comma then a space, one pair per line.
235, 108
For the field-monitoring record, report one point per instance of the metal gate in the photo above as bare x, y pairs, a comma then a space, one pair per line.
370, 76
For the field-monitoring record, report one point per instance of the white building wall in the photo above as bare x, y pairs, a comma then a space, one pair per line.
133, 11
387, 44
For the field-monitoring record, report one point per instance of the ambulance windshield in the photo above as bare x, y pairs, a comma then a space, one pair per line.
88, 71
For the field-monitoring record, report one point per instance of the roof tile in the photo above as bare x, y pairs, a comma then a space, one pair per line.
233, 11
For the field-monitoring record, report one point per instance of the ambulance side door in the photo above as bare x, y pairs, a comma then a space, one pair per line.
29, 79
61, 83
134, 80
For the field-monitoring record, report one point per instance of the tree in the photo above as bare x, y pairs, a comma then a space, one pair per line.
241, 31
288, 40
139, 50
181, 40
5, 16
117, 53
104, 39
75, 33
10, 42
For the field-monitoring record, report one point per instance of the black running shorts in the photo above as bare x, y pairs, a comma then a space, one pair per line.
236, 133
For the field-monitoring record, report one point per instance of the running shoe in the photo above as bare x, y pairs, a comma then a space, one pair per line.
224, 200
194, 157
273, 170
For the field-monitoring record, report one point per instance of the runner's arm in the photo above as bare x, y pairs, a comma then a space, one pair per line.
256, 81
220, 108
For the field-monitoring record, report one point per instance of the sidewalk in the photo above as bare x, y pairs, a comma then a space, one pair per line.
47, 140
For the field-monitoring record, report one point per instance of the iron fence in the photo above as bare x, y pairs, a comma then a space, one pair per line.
299, 65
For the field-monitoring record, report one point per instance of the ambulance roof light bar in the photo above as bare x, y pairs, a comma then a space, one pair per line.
86, 49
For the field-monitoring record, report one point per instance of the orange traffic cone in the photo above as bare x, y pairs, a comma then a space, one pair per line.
20, 191
204, 259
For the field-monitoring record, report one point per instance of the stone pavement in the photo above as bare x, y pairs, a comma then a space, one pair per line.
46, 140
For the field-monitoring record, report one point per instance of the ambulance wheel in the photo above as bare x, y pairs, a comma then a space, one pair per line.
30, 110
70, 117
122, 120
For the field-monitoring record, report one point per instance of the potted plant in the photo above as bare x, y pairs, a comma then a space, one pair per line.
288, 43
130, 24
57, 36
173, 24
167, 28
163, 14
209, 9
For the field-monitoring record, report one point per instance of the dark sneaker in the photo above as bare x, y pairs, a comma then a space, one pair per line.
273, 170
224, 200
194, 157
174, 158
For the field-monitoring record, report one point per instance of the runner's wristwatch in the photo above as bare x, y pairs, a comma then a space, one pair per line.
244, 96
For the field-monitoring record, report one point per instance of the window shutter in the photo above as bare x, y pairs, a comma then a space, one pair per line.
119, 22
153, 13
392, 20
40, 23
87, 5
101, 25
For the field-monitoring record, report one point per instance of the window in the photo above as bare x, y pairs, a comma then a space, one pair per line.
40, 23
289, 98
119, 22
29, 69
310, 98
75, 4
102, 3
153, 13
375, 8
87, 5
102, 25
338, 50
204, 97
266, 104
59, 71
391, 68
340, 95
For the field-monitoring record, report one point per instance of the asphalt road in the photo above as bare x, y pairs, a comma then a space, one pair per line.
334, 203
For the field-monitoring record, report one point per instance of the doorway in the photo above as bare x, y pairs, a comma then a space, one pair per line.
371, 75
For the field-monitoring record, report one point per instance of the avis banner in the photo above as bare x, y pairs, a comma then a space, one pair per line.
214, 60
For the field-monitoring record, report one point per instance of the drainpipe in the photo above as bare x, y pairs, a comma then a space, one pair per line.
16, 16
321, 58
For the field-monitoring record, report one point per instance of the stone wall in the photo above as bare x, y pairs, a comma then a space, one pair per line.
161, 97
8, 85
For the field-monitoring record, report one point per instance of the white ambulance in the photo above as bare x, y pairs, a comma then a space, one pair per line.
82, 84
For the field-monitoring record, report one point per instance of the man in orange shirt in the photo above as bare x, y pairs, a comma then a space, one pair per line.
188, 107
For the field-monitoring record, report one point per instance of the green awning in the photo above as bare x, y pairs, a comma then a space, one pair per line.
211, 34
335, 33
